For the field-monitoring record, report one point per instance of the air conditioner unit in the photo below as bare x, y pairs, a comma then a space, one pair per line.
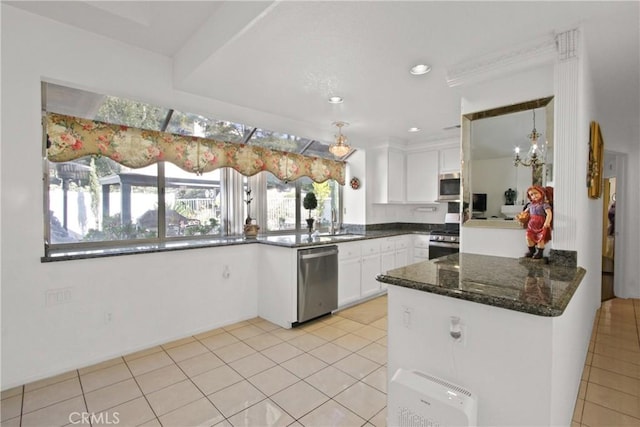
417, 399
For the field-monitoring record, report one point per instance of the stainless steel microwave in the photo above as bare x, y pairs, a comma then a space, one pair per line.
449, 187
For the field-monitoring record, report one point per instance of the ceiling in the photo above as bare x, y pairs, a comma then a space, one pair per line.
287, 58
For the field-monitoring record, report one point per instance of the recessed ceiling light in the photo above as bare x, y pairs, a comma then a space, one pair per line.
414, 129
420, 69
335, 100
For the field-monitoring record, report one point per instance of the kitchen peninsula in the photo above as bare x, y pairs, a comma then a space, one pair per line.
522, 332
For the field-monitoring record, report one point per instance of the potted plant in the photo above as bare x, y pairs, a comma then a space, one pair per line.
250, 226
248, 202
310, 202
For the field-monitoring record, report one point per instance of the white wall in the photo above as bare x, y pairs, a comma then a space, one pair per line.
570, 163
383, 213
572, 332
505, 358
521, 367
627, 148
494, 177
505, 242
153, 298
355, 201
589, 212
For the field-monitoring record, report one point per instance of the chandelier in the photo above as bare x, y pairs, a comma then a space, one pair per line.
535, 155
340, 148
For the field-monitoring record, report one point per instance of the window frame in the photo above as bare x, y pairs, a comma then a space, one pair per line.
232, 200
160, 239
300, 227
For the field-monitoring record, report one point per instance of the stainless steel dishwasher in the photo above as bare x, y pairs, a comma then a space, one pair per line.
317, 282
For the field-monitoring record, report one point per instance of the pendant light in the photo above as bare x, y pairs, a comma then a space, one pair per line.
535, 155
340, 148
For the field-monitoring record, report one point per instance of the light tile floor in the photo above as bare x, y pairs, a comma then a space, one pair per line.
610, 388
331, 372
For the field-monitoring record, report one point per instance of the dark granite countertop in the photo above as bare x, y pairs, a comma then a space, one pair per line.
286, 240
516, 284
302, 240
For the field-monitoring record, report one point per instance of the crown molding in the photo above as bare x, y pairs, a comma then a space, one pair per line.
528, 55
433, 144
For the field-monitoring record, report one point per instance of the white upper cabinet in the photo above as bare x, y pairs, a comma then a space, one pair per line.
422, 176
410, 176
388, 175
450, 160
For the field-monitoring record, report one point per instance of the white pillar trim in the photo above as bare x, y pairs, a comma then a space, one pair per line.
566, 174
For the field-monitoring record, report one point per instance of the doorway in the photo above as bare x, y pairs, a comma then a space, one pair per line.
613, 238
608, 237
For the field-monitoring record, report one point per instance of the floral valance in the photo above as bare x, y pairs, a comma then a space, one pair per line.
71, 137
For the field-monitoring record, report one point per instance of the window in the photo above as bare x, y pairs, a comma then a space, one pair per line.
95, 199
193, 124
281, 205
193, 203
285, 211
94, 202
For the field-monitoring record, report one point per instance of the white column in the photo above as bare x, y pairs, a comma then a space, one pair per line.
567, 179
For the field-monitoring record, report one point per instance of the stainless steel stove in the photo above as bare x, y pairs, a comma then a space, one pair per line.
444, 242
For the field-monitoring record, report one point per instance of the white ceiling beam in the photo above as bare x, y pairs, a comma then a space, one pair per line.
224, 26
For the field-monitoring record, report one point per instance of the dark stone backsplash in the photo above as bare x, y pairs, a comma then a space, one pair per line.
395, 226
563, 258
453, 207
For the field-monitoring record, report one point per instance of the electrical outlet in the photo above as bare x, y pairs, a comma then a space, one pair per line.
57, 296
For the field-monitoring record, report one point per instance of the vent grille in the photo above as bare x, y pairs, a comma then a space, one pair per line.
445, 384
417, 399
408, 418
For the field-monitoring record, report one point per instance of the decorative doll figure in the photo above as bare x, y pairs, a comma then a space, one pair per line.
537, 217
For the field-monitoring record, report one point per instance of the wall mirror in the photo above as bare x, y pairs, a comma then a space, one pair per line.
505, 151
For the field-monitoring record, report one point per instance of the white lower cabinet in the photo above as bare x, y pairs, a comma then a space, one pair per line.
360, 262
387, 256
420, 247
387, 261
370, 267
277, 294
358, 266
393, 255
395, 252
404, 246
349, 263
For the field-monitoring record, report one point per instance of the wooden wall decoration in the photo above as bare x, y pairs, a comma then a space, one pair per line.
596, 160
